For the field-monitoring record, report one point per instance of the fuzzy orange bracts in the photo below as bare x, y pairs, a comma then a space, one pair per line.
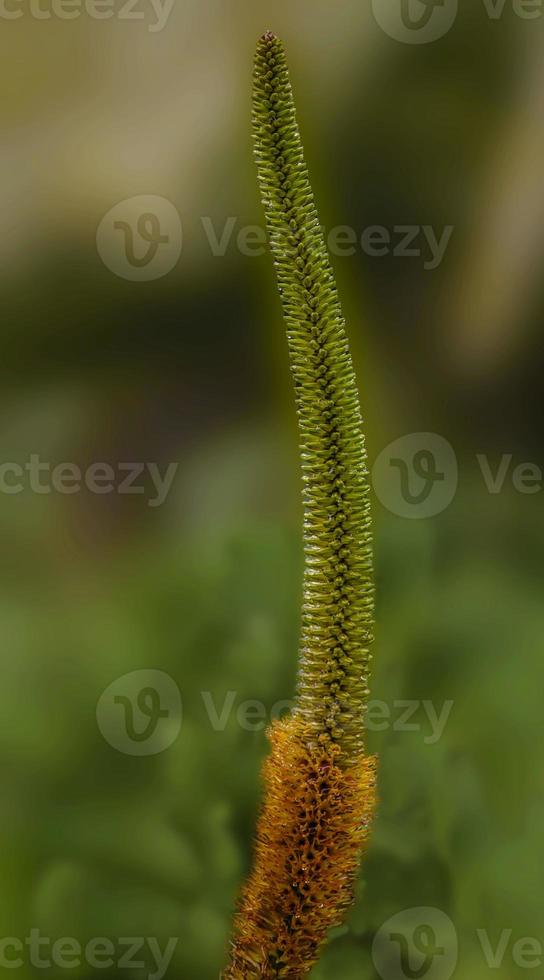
311, 835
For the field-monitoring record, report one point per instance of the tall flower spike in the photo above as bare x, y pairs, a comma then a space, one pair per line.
338, 587
319, 784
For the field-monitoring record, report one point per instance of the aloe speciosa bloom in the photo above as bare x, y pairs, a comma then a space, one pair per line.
319, 791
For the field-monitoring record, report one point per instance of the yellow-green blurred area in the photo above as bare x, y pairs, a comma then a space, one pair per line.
191, 368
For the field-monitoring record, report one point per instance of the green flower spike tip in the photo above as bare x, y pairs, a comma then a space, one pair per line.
337, 617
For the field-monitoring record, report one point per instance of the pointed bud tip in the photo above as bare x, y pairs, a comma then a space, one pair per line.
269, 36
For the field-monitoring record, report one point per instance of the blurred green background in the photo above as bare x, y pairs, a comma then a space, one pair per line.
192, 368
